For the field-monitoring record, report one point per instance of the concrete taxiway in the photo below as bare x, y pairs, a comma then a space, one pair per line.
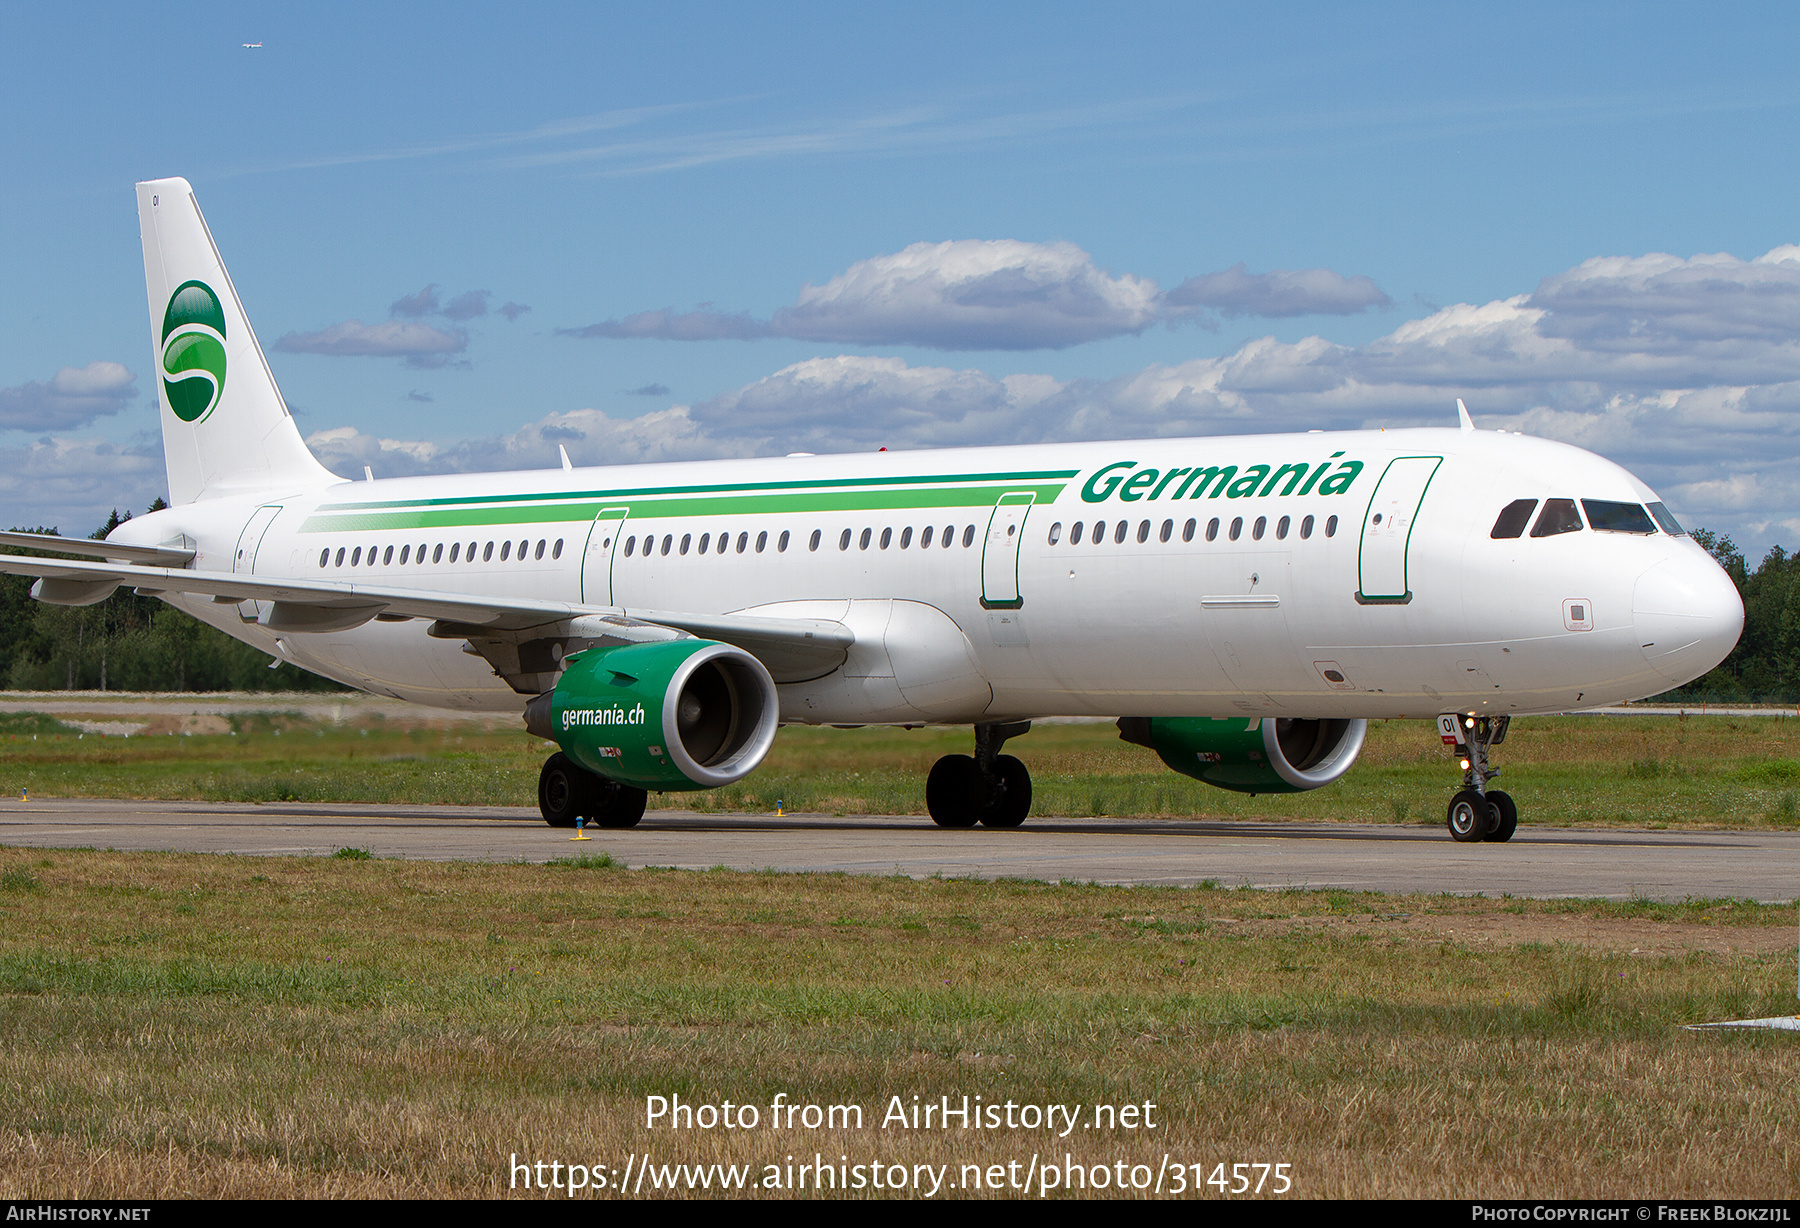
1544, 862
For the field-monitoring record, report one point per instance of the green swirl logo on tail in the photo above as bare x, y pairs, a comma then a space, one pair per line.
193, 355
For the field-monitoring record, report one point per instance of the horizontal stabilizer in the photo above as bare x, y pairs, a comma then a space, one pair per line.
87, 547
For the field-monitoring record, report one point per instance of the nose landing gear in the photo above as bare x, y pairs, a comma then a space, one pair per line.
991, 789
1477, 812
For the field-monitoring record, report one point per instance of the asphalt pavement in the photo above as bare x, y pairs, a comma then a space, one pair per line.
1538, 862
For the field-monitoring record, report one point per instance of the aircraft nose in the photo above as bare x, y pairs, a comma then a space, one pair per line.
1688, 616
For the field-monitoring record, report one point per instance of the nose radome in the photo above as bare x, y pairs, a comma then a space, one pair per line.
1688, 616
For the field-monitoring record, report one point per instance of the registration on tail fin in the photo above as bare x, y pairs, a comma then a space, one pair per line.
226, 429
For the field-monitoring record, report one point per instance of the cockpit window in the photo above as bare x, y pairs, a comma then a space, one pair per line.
1666, 519
1558, 516
1609, 517
1513, 518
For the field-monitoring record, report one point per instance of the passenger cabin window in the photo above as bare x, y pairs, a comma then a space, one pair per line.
1513, 519
1558, 516
1609, 517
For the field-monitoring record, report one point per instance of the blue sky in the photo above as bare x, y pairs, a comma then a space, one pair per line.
741, 230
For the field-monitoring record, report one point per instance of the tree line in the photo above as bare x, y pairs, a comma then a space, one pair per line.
133, 643
127, 643
1765, 665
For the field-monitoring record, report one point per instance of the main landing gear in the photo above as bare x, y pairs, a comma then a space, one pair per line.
567, 791
1477, 812
991, 789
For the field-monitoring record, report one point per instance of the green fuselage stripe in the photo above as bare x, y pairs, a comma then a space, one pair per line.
335, 521
616, 496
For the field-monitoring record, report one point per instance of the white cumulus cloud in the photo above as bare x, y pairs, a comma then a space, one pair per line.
590, 436
420, 344
973, 295
73, 397
1279, 294
72, 483
1001, 294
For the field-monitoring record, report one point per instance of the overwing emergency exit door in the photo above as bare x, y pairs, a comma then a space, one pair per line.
597, 560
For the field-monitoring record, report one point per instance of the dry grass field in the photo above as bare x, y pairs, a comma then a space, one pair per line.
192, 1026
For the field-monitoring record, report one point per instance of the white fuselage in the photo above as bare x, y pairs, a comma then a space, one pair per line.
1362, 579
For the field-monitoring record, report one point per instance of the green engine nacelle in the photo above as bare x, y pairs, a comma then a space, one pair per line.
666, 716
1254, 755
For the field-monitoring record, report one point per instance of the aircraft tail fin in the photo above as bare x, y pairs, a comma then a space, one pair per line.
226, 429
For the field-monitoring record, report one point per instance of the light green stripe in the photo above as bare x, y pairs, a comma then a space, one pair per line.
655, 509
615, 496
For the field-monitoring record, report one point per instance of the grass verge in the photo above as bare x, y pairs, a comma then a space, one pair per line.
1741, 772
182, 1025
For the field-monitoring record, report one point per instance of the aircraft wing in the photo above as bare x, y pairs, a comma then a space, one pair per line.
791, 648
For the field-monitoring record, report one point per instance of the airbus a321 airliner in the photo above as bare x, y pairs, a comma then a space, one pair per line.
1242, 605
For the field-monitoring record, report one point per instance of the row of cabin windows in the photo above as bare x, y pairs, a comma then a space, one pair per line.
1603, 515
1559, 516
1123, 529
356, 557
723, 541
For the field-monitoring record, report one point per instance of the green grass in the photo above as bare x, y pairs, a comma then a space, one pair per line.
182, 1025
1596, 771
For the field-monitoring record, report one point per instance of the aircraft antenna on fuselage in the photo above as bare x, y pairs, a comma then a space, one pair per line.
1462, 415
